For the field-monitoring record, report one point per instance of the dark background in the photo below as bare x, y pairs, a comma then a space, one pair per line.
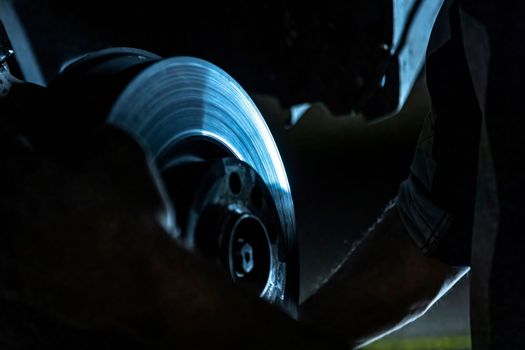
297, 51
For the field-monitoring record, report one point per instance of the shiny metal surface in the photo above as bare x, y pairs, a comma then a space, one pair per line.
183, 97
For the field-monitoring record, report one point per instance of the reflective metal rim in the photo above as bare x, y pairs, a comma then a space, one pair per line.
183, 97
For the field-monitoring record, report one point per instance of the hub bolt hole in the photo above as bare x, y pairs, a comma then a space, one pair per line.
235, 183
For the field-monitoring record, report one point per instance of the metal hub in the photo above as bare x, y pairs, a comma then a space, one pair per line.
214, 151
227, 214
250, 251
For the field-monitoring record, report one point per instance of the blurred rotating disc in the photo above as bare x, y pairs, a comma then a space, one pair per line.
177, 99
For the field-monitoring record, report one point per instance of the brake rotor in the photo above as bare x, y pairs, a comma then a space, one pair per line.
187, 103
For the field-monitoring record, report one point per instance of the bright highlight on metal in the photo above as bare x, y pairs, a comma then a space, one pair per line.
184, 97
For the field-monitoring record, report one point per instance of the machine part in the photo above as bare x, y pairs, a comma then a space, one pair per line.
296, 113
25, 57
6, 80
228, 215
189, 102
5, 52
412, 23
6, 49
182, 110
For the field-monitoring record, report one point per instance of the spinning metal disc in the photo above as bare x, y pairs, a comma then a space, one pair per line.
179, 99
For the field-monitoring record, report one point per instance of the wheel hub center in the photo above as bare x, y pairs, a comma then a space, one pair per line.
250, 251
246, 255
